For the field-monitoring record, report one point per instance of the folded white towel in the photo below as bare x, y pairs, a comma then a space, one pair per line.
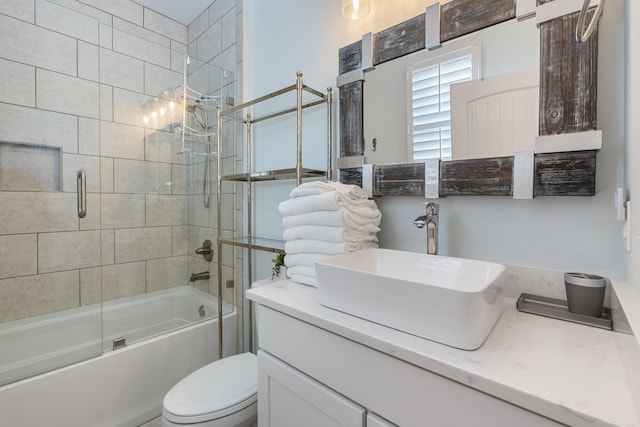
327, 202
305, 280
301, 269
304, 259
321, 247
319, 187
328, 234
339, 218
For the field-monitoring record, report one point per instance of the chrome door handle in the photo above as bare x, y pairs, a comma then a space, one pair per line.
82, 193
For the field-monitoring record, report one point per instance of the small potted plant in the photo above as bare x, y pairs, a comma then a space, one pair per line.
279, 270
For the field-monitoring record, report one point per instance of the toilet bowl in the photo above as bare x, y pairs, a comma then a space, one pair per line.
220, 394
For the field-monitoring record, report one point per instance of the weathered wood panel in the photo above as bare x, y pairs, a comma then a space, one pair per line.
568, 78
350, 57
351, 99
460, 17
491, 177
565, 174
399, 180
399, 40
351, 176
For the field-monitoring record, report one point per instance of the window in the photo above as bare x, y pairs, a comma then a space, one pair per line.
429, 108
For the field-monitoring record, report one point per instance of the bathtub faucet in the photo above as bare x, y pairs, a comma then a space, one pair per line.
199, 276
430, 219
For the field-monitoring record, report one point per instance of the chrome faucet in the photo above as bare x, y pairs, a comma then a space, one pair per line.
430, 219
199, 276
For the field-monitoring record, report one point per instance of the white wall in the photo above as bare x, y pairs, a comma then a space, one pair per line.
632, 136
569, 233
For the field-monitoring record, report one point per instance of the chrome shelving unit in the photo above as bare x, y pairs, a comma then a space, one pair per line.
242, 114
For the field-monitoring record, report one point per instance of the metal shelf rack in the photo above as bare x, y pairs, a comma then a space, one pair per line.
243, 114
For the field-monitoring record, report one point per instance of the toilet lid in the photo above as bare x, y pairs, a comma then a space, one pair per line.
215, 390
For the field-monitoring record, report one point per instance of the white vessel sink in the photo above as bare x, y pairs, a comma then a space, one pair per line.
453, 301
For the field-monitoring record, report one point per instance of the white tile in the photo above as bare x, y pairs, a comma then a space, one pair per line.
220, 8
23, 10
165, 26
141, 48
210, 43
228, 23
35, 212
90, 286
106, 102
141, 32
33, 295
123, 280
18, 255
178, 52
162, 146
136, 244
127, 106
124, 9
166, 210
131, 176
179, 240
122, 210
18, 82
158, 79
118, 140
106, 36
67, 251
121, 71
37, 46
72, 163
167, 273
108, 247
178, 181
91, 220
30, 126
88, 136
106, 175
198, 26
88, 61
66, 21
79, 6
66, 94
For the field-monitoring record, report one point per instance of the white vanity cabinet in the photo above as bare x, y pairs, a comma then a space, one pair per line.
312, 377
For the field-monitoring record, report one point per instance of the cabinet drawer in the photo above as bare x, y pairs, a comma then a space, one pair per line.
398, 391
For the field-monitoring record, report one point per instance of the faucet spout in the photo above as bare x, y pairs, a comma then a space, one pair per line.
199, 276
430, 220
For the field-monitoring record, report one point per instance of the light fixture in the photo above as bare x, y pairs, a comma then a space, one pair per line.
355, 9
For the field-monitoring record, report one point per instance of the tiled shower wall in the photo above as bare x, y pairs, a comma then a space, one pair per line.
74, 74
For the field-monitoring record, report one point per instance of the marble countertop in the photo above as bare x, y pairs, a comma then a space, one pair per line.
570, 373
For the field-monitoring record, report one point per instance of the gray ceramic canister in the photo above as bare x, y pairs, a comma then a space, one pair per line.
585, 293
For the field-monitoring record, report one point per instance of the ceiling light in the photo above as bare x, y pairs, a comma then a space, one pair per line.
355, 9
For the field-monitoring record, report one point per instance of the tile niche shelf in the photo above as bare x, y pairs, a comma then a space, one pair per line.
275, 104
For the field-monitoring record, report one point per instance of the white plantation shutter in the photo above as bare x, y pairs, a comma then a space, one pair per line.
429, 102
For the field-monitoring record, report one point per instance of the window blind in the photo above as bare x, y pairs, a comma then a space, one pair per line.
430, 111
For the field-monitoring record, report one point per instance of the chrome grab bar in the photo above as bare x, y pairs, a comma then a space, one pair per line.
583, 35
82, 193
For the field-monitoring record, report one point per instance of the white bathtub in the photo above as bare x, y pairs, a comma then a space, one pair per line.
117, 388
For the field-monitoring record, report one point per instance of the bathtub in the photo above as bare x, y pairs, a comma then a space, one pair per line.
123, 387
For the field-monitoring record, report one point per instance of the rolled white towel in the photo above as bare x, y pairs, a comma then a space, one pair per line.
304, 280
319, 187
339, 218
301, 269
321, 247
304, 259
327, 202
328, 234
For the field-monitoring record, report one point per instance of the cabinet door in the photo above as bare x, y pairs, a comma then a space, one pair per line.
375, 421
289, 398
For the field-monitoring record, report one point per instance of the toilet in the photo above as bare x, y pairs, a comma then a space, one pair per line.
220, 394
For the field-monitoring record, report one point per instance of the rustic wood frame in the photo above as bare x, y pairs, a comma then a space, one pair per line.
567, 104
